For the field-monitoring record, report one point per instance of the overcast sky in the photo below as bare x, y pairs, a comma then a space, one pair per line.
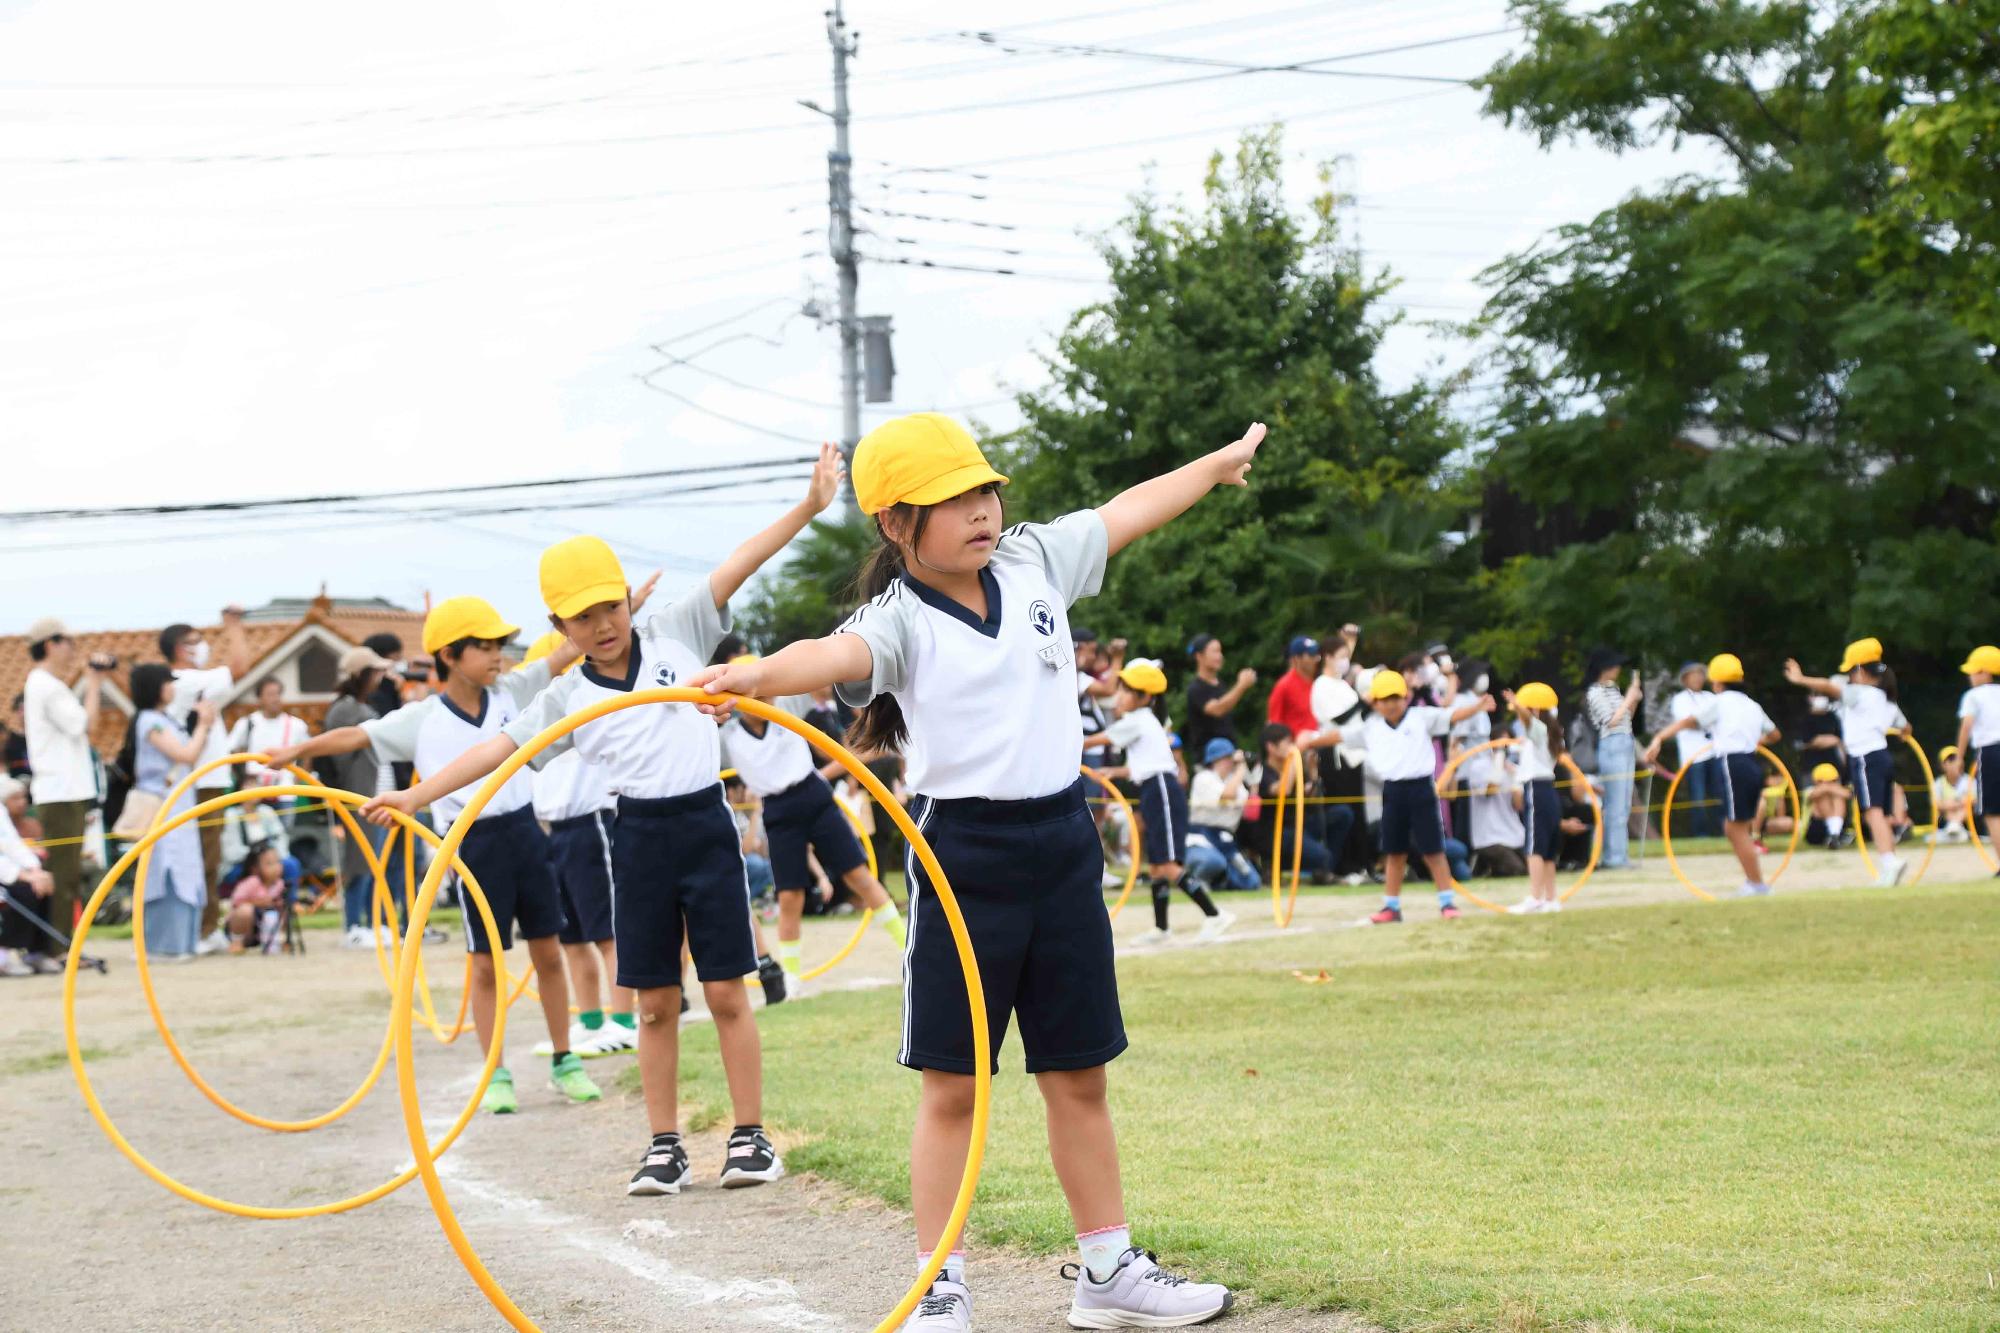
256, 250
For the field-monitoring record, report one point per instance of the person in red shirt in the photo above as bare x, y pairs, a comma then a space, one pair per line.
1291, 697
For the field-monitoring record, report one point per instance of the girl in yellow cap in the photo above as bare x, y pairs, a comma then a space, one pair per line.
1163, 808
1866, 701
1951, 796
1534, 706
1979, 733
1736, 725
961, 659
1826, 809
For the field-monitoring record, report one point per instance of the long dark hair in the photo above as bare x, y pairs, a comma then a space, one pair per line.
149, 680
880, 725
1884, 677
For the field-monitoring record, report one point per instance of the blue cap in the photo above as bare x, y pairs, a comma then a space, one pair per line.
1690, 666
1304, 643
1218, 748
1173, 740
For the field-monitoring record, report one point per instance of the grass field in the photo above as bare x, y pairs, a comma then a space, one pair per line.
1769, 1115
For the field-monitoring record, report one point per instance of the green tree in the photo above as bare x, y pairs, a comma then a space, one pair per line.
1764, 379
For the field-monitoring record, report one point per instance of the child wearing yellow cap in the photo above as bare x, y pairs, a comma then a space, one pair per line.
677, 871
1736, 725
1865, 698
1534, 706
1151, 766
961, 658
506, 850
1826, 809
1979, 733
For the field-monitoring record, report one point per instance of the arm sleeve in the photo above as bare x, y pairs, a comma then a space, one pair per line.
15, 855
1764, 722
1966, 708
64, 711
394, 738
692, 620
1439, 722
886, 625
1072, 551
1126, 730
526, 683
1355, 732
538, 714
239, 735
1708, 711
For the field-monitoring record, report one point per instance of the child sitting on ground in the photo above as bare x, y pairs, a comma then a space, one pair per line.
1826, 809
1951, 796
255, 901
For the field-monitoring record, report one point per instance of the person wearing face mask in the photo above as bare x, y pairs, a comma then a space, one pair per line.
199, 678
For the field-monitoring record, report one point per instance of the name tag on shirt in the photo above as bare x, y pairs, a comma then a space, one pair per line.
1055, 656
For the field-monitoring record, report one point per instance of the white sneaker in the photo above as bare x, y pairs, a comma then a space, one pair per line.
1354, 879
947, 1308
1213, 926
1552, 904
614, 1038
357, 937
579, 1037
795, 987
1750, 890
1526, 907
215, 942
12, 966
1893, 870
1141, 1294
1155, 936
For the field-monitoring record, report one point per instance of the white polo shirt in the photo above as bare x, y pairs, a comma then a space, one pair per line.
1866, 717
432, 732
1143, 738
58, 740
256, 734
991, 704
776, 761
569, 787
1403, 751
1693, 741
1982, 704
1534, 757
1736, 723
191, 686
651, 751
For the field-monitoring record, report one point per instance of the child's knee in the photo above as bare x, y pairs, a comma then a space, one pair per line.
658, 1006
950, 1096
727, 1000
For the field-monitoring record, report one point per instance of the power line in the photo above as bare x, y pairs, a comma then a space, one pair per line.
1313, 67
976, 268
686, 401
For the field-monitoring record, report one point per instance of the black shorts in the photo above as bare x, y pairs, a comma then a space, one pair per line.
1028, 876
1163, 816
1986, 785
509, 856
1742, 787
580, 851
806, 815
1873, 777
1410, 820
677, 869
1541, 813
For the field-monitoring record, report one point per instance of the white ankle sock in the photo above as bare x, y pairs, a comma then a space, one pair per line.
954, 1265
1101, 1248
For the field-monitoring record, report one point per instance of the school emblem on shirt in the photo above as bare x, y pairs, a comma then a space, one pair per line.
1043, 617
663, 674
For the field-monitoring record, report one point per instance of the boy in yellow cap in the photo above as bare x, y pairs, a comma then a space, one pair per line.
1826, 809
1979, 733
677, 870
1951, 796
1534, 706
1736, 725
961, 659
1866, 702
505, 849
1163, 807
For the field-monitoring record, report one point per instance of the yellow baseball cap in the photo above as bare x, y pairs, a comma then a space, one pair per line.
458, 618
1948, 752
1825, 773
1536, 695
1860, 653
1144, 676
1983, 658
544, 646
579, 573
1725, 669
1388, 684
919, 459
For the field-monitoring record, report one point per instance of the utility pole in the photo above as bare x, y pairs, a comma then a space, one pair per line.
840, 205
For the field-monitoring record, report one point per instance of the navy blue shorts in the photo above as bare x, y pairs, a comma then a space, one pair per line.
1986, 785
806, 815
1163, 819
1742, 787
677, 870
1410, 820
1873, 777
509, 856
580, 851
1028, 876
1541, 813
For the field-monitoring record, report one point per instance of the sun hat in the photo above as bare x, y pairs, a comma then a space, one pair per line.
48, 627
361, 658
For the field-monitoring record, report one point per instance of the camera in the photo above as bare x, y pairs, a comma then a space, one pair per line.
103, 661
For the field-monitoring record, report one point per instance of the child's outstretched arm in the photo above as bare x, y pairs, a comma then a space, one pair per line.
797, 668
1795, 674
1672, 729
468, 768
1131, 514
341, 740
726, 578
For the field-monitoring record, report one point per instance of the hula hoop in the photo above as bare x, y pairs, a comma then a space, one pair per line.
1294, 775
1577, 778
1118, 799
145, 853
1972, 825
426, 1152
406, 972
1930, 786
867, 913
1667, 823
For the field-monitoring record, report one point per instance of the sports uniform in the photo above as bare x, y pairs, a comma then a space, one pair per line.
1867, 715
1736, 725
800, 814
1406, 761
1541, 809
1981, 703
1149, 758
574, 800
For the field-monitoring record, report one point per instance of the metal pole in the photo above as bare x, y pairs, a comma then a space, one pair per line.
840, 204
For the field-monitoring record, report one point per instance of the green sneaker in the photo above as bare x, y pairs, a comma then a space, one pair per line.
567, 1077
499, 1099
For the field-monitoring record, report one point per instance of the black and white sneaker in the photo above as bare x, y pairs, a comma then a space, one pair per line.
664, 1170
751, 1160
772, 976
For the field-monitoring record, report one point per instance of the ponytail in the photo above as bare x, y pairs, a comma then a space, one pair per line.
880, 725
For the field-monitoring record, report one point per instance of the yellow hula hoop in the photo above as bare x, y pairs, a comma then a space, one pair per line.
1667, 823
1292, 775
1118, 799
383, 912
1930, 786
867, 914
406, 972
145, 971
1577, 778
1972, 824
426, 1153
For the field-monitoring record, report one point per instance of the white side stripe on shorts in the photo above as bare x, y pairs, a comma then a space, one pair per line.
910, 882
610, 880
1166, 808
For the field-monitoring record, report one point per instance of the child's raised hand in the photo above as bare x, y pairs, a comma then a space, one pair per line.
644, 590
1486, 704
1233, 460
825, 479
1793, 673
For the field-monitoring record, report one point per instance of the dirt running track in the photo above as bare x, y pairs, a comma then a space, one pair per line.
89, 1242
